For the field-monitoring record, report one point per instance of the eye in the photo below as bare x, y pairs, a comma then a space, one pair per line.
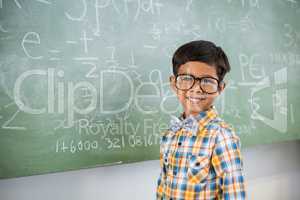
209, 81
185, 78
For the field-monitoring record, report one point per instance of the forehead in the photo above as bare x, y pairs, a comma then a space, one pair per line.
197, 69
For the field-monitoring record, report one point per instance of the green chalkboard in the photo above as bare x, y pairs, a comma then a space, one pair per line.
85, 83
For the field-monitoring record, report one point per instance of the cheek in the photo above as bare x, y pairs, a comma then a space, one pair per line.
181, 96
208, 101
210, 98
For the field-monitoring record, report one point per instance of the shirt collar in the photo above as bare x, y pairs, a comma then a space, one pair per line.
193, 124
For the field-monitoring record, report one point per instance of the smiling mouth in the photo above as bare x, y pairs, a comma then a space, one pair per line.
195, 99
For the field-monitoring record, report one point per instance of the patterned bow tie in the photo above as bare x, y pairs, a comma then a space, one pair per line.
189, 124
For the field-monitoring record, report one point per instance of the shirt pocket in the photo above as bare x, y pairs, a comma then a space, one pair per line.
198, 168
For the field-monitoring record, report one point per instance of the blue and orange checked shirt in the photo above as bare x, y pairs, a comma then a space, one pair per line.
200, 159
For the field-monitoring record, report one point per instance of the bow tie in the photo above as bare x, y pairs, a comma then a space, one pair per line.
189, 124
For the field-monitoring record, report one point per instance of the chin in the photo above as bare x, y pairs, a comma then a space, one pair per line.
196, 109
193, 110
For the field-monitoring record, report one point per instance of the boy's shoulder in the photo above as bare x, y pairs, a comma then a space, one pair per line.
220, 129
166, 132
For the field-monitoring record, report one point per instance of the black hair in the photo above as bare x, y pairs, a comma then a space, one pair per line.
202, 51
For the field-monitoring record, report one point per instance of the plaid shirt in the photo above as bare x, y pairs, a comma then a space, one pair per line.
200, 158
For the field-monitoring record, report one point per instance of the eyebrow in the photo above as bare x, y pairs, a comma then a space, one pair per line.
205, 75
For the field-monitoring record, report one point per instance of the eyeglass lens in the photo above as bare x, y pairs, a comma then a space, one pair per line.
186, 82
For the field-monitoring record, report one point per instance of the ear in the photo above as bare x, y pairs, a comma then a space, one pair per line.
222, 86
172, 83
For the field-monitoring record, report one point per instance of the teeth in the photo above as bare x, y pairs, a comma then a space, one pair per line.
195, 99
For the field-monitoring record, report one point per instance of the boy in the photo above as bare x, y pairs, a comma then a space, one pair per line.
200, 154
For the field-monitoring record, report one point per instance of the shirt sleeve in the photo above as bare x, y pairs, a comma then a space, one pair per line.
228, 164
159, 188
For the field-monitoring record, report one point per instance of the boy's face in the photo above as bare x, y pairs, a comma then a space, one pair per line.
195, 100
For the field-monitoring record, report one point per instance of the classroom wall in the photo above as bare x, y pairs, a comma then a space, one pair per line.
272, 172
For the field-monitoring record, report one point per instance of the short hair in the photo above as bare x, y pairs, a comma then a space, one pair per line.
202, 51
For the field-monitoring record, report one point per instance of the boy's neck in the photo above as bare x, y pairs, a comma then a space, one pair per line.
184, 115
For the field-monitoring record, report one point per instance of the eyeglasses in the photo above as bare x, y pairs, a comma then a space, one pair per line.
208, 85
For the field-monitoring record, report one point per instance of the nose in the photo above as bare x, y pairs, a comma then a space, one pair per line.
196, 87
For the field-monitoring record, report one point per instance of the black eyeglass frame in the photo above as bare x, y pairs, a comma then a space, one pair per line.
195, 80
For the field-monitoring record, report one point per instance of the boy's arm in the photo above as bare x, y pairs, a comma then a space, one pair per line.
159, 188
227, 162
